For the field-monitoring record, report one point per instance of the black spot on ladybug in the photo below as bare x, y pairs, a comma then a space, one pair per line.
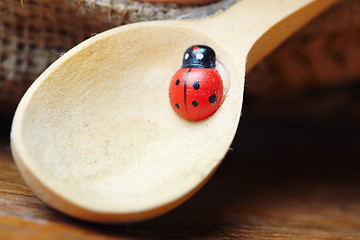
195, 103
177, 82
196, 85
213, 98
177, 106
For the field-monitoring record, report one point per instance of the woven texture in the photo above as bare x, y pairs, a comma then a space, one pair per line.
33, 37
326, 52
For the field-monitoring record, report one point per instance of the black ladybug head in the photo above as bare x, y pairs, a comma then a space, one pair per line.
199, 56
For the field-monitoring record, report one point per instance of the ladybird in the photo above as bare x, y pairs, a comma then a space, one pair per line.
196, 89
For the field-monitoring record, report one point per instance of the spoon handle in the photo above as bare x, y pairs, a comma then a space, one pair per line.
253, 28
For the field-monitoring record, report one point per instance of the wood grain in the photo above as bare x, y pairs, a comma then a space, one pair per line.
282, 180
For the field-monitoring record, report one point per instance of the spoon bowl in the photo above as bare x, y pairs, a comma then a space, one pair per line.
95, 136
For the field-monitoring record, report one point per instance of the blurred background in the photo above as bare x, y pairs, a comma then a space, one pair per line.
312, 78
314, 75
300, 126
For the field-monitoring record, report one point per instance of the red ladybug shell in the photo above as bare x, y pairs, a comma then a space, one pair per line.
196, 93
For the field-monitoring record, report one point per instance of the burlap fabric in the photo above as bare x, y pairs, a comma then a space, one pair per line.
326, 52
33, 36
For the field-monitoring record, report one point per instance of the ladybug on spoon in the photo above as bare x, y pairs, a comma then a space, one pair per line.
196, 89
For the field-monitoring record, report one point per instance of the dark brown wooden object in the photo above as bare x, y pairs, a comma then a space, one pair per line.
282, 180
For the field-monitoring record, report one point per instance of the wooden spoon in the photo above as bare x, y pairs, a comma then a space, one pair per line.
95, 136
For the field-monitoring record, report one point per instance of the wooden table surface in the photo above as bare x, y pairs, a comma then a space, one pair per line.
281, 180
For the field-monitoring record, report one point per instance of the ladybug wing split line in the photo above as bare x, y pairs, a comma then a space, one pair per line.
185, 86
